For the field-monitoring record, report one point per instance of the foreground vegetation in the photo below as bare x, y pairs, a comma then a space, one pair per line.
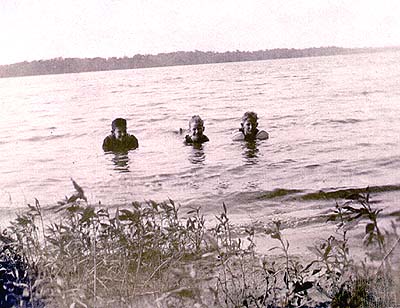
149, 255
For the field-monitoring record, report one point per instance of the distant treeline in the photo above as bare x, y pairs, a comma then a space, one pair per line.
77, 65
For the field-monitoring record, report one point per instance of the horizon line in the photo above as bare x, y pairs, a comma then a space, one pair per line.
196, 50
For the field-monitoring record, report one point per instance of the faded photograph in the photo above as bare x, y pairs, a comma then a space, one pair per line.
199, 153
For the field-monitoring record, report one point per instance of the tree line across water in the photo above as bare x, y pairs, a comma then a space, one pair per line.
76, 65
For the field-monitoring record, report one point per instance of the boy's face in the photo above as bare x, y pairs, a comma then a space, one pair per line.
119, 133
196, 130
249, 127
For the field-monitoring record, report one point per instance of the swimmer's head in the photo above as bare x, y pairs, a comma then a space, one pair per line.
118, 128
196, 128
249, 123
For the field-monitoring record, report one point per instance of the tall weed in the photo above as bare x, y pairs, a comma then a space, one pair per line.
148, 254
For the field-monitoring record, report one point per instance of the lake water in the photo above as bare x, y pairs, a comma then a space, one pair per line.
334, 124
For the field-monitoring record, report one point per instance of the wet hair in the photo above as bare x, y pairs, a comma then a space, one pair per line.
250, 115
196, 119
118, 122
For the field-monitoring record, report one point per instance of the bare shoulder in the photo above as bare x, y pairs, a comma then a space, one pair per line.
237, 136
262, 135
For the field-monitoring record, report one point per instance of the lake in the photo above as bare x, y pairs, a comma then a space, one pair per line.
334, 124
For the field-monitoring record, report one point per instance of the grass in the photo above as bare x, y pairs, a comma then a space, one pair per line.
151, 255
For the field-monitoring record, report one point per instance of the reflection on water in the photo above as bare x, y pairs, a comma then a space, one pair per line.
250, 152
121, 162
197, 156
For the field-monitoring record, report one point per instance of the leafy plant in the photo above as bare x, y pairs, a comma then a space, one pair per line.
148, 254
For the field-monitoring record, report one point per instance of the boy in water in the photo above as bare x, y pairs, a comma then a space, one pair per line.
196, 129
119, 140
249, 131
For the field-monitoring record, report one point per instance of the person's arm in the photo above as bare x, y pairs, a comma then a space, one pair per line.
237, 136
107, 144
134, 143
262, 135
188, 140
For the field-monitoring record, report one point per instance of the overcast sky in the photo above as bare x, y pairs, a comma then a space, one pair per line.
44, 29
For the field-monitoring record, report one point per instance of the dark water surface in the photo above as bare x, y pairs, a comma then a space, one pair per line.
334, 125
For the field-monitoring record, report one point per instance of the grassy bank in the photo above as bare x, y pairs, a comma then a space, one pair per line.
152, 255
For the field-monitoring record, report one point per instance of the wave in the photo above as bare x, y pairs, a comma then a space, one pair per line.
284, 117
338, 121
312, 166
346, 121
370, 92
45, 138
346, 193
388, 161
278, 193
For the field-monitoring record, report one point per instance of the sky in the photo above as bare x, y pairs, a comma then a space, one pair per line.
45, 29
